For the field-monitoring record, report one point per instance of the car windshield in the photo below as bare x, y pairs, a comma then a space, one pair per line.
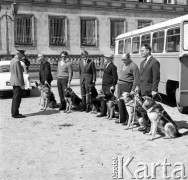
4, 68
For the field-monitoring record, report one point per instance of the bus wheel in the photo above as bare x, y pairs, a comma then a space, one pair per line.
183, 110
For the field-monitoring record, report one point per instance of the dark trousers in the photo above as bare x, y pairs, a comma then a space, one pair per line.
85, 95
16, 100
105, 88
62, 85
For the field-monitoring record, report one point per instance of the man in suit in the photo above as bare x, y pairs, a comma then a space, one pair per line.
45, 75
17, 81
149, 78
109, 81
87, 73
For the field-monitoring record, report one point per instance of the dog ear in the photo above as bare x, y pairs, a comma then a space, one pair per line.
36, 83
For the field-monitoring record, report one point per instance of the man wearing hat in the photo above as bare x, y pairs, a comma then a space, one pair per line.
45, 75
87, 73
109, 80
17, 81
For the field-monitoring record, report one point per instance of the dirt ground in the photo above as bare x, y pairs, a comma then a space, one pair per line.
52, 145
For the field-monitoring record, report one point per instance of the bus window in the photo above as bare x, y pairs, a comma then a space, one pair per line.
127, 45
173, 40
145, 39
120, 47
185, 36
135, 45
158, 42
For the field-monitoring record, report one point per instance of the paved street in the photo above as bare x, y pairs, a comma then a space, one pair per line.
57, 146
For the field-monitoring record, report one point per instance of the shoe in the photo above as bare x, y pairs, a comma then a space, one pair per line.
82, 110
61, 109
88, 110
101, 115
124, 123
19, 116
142, 129
117, 121
146, 131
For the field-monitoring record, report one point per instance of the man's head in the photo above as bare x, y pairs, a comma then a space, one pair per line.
126, 58
108, 58
84, 55
145, 51
64, 55
20, 54
41, 57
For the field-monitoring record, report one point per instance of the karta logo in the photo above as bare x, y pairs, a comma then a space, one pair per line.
122, 170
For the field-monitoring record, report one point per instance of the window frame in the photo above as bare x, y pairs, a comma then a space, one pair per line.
66, 32
144, 20
124, 28
32, 30
164, 37
96, 31
136, 36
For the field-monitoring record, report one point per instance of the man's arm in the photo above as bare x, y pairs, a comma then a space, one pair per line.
114, 74
70, 70
19, 73
156, 76
94, 71
136, 75
47, 70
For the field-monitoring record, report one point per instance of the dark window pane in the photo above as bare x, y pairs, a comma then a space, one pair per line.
145, 39
57, 31
127, 48
117, 28
135, 45
120, 47
88, 36
158, 42
143, 23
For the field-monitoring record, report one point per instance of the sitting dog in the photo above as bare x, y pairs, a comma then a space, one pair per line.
45, 95
129, 100
160, 119
95, 102
71, 100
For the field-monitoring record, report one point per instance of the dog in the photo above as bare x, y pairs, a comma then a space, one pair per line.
45, 95
71, 100
132, 101
94, 101
160, 119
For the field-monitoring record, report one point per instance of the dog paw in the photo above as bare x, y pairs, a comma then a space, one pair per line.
148, 133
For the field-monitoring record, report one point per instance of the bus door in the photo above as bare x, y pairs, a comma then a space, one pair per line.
182, 91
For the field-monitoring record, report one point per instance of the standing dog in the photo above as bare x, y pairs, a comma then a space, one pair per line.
160, 119
131, 102
45, 95
71, 99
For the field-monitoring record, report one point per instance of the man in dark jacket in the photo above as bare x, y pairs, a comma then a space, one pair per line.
45, 75
87, 73
149, 79
109, 81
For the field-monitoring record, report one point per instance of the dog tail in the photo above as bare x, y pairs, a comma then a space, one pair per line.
178, 134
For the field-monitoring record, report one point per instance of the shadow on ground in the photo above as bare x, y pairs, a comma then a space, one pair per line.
46, 112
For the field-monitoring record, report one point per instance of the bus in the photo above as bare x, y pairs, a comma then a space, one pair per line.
169, 43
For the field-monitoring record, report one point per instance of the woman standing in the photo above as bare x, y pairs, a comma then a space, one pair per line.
64, 72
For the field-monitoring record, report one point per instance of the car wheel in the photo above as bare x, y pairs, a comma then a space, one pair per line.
183, 110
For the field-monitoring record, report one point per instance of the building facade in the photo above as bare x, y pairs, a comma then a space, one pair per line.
51, 26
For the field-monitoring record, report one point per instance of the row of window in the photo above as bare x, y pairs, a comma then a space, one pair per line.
156, 40
24, 30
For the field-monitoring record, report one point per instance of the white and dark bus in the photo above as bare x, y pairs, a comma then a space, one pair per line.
169, 42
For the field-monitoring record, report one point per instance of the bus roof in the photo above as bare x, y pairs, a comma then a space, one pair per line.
155, 26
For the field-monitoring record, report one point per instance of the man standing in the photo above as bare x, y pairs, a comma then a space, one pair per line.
45, 75
149, 78
17, 81
109, 81
87, 73
128, 81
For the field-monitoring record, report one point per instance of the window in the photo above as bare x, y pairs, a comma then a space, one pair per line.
24, 29
185, 35
144, 23
120, 47
88, 32
169, 1
145, 1
58, 31
173, 40
135, 45
145, 39
116, 28
127, 48
158, 42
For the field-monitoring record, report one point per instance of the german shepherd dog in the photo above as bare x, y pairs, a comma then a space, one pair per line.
160, 119
71, 100
129, 100
45, 95
94, 101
